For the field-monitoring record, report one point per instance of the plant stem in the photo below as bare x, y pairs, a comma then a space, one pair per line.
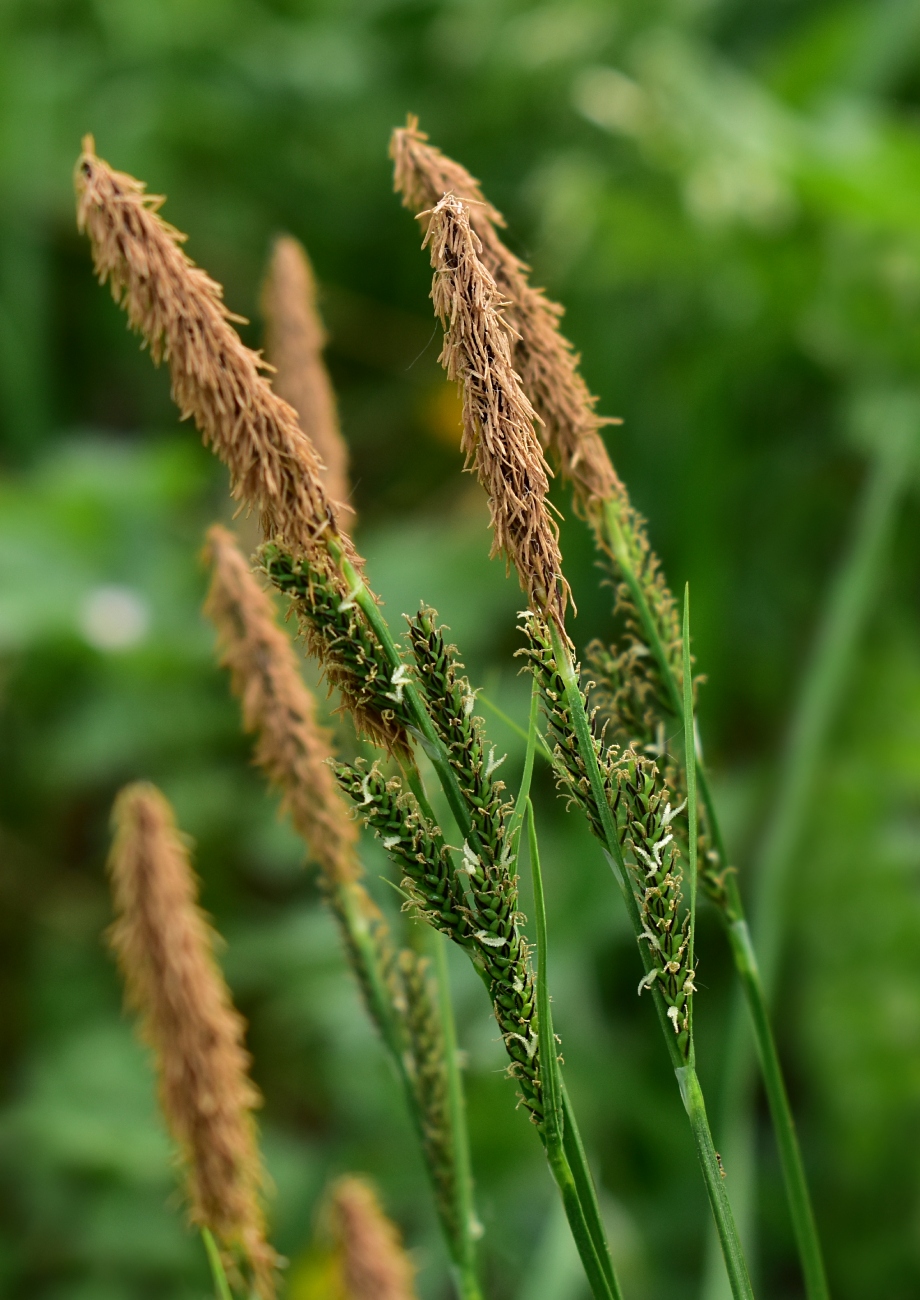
584, 1184
553, 1118
686, 1074
735, 1265
731, 912
467, 1280
460, 1239
848, 603
692, 813
221, 1285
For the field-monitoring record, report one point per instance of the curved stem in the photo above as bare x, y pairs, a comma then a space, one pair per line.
686, 1074
459, 1237
469, 1229
822, 690
603, 1284
714, 1177
732, 914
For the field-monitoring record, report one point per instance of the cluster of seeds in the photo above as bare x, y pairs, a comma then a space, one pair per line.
353, 659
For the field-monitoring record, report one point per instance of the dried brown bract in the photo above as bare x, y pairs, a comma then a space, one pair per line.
216, 379
294, 344
291, 746
545, 359
373, 1260
165, 948
498, 420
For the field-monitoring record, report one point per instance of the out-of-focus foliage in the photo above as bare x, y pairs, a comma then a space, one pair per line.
727, 199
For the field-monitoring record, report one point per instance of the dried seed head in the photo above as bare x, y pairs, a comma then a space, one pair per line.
165, 948
545, 359
291, 746
180, 312
498, 420
294, 344
374, 1263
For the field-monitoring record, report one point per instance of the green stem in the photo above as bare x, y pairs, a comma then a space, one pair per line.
692, 816
823, 686
686, 1074
460, 1239
692, 1095
603, 1287
221, 1285
732, 915
800, 1206
467, 1279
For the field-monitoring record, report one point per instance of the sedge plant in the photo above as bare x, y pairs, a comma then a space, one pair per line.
649, 805
399, 699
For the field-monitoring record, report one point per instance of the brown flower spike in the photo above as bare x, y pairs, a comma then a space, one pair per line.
374, 1264
165, 949
294, 344
498, 420
291, 746
542, 355
216, 379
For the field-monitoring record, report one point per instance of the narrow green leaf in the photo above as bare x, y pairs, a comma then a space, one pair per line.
517, 817
221, 1285
690, 766
549, 1064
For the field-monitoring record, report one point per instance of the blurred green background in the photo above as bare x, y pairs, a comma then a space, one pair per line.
726, 196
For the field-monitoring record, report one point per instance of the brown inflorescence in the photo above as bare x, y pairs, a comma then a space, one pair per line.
499, 440
216, 379
545, 359
165, 948
294, 342
291, 746
374, 1263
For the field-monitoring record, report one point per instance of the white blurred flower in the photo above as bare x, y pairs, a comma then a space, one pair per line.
114, 618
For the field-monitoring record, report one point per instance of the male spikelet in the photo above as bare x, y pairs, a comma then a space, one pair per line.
291, 746
374, 1263
545, 359
180, 312
549, 371
165, 948
294, 342
498, 420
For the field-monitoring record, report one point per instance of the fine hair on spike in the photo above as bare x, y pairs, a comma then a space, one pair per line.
294, 341
498, 421
165, 948
544, 358
291, 746
216, 379
374, 1264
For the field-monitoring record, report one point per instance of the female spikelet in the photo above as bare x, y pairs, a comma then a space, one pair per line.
165, 949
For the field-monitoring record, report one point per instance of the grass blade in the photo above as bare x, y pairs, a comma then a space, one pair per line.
221, 1285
